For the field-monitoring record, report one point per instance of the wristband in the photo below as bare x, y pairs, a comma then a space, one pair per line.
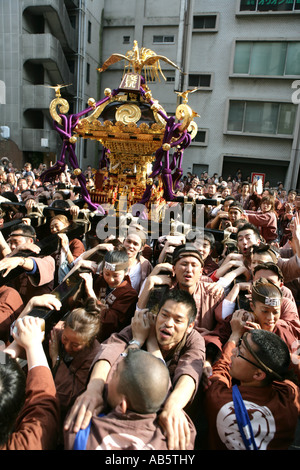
134, 341
214, 277
223, 282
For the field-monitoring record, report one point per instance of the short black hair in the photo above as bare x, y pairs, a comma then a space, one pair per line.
181, 297
30, 191
60, 204
265, 248
12, 394
193, 235
116, 256
208, 236
269, 266
238, 205
270, 191
27, 230
229, 198
273, 352
248, 226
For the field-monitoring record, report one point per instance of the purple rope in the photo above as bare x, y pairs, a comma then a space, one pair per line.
171, 131
66, 132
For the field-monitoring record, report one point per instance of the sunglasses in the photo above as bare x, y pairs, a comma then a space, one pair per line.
243, 357
259, 364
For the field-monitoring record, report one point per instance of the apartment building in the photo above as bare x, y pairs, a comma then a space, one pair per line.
44, 43
243, 57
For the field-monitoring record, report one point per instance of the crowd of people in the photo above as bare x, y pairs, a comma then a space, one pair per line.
184, 342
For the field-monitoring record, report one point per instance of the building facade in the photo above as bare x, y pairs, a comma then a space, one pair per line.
243, 56
45, 43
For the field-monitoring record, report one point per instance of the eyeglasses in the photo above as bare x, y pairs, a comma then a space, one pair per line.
243, 357
260, 364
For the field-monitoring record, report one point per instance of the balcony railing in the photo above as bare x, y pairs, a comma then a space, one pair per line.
39, 140
57, 15
46, 49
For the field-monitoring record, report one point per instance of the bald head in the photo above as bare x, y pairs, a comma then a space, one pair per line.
144, 381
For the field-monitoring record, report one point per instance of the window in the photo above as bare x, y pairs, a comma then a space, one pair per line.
2, 92
73, 21
201, 137
89, 32
270, 5
199, 168
270, 58
71, 64
267, 118
170, 79
200, 80
205, 22
126, 39
163, 39
88, 70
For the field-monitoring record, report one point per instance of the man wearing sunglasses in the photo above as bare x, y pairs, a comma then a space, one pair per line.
256, 366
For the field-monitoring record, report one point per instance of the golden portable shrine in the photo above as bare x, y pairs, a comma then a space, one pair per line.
141, 143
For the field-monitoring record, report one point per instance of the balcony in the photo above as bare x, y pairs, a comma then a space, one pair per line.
45, 49
39, 140
72, 3
37, 97
57, 18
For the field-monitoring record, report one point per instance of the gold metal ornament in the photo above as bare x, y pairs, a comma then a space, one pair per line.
96, 113
184, 113
166, 147
193, 129
63, 109
138, 60
131, 125
128, 113
58, 101
184, 94
92, 102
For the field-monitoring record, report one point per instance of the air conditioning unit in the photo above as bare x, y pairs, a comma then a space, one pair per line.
4, 132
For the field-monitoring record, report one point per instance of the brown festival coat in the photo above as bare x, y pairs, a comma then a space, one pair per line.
278, 401
11, 305
38, 423
120, 306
